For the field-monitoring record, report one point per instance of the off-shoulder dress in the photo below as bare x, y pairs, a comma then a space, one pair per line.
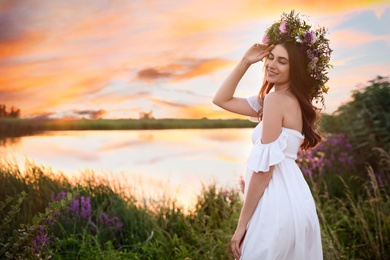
285, 223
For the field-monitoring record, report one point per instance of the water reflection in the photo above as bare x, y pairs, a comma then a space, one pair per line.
170, 162
8, 141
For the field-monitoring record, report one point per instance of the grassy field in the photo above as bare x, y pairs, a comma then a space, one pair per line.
12, 127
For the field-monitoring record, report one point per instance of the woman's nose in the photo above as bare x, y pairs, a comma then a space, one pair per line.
271, 64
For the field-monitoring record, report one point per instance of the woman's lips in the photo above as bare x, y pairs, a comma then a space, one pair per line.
271, 73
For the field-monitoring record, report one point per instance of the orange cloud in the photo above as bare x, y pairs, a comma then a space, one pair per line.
183, 70
168, 103
20, 45
205, 67
153, 74
40, 93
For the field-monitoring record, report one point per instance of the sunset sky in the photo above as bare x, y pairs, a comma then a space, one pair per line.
117, 58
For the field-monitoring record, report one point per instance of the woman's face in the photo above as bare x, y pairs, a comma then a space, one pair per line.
277, 66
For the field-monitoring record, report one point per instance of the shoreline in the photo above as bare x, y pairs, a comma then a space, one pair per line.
16, 127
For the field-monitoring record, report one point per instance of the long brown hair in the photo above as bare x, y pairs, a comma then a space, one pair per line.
301, 86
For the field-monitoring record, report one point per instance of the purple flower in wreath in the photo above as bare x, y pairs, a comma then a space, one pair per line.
310, 37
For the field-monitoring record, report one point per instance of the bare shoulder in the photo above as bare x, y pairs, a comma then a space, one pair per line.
272, 118
285, 107
275, 100
272, 105
280, 100
271, 98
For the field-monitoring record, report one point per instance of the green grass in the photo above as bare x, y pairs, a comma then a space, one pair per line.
356, 224
151, 230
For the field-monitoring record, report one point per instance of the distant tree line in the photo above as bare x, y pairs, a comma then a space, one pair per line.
13, 112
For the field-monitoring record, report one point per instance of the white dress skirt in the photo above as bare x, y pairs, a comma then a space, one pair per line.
285, 223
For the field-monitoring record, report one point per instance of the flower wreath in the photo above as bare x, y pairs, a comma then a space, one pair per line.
292, 28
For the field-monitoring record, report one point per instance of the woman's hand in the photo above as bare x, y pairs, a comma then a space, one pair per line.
257, 52
237, 240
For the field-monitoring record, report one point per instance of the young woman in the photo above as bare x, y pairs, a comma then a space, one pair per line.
278, 219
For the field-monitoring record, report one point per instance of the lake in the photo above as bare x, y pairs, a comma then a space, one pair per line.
150, 163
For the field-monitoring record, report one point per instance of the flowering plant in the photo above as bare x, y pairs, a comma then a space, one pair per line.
292, 28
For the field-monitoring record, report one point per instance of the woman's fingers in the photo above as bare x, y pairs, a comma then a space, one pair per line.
236, 249
270, 47
262, 49
257, 52
236, 241
263, 46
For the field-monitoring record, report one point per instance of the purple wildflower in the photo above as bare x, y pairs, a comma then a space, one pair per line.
104, 219
60, 196
119, 225
85, 207
310, 37
74, 208
41, 240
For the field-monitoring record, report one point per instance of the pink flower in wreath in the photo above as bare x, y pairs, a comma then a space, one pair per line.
283, 27
265, 39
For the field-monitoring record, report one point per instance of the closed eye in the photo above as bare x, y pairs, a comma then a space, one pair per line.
281, 60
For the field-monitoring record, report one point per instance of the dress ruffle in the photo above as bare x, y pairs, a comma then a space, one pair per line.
262, 156
253, 101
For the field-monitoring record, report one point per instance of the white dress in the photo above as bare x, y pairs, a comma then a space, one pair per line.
285, 223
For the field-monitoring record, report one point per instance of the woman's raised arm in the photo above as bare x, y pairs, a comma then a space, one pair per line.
224, 97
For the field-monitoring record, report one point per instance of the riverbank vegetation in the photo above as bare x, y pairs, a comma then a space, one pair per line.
44, 215
14, 127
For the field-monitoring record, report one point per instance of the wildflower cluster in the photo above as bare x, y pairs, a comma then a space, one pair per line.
334, 152
80, 214
80, 207
111, 222
312, 41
